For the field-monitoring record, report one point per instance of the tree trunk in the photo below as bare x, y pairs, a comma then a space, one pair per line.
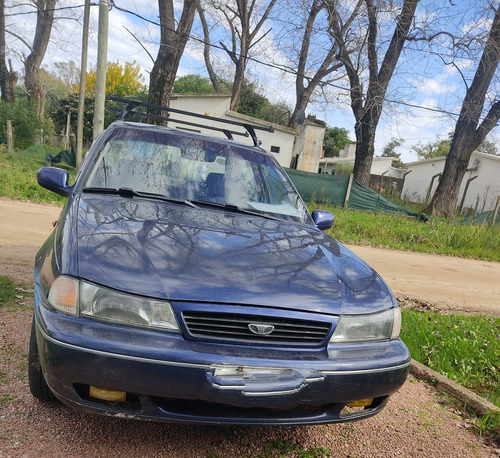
206, 51
8, 78
367, 109
330, 62
239, 76
365, 148
172, 45
162, 80
45, 19
469, 134
246, 38
449, 184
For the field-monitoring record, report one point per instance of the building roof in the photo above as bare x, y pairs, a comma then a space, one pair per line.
443, 158
242, 117
340, 160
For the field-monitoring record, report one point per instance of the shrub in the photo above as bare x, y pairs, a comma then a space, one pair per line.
26, 126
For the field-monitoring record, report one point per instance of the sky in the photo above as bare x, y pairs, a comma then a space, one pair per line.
438, 88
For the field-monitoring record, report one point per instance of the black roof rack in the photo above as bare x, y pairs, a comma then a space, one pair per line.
131, 105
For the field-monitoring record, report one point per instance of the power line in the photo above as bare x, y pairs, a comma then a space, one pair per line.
249, 58
281, 68
62, 8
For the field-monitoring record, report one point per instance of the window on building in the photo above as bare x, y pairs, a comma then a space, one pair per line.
275, 149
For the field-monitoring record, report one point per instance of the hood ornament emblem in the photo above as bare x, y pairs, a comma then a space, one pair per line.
261, 329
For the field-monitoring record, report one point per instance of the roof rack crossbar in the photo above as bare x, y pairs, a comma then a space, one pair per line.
132, 104
228, 133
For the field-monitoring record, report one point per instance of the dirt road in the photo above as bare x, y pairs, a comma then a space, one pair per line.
414, 424
447, 282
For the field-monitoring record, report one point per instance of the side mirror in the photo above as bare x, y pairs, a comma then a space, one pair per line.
323, 219
55, 180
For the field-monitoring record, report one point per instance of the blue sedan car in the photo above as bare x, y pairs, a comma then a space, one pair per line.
186, 281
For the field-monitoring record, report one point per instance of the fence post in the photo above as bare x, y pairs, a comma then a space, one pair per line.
465, 194
427, 197
68, 129
495, 213
10, 145
348, 193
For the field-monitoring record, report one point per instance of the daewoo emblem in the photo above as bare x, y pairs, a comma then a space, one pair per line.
261, 329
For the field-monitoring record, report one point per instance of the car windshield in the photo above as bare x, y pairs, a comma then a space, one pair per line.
193, 168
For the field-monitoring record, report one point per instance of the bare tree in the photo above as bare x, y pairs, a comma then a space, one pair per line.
32, 63
367, 104
172, 44
472, 127
214, 79
315, 58
8, 77
244, 21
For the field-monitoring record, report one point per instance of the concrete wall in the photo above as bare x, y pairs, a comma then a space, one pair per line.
483, 190
379, 164
279, 143
309, 145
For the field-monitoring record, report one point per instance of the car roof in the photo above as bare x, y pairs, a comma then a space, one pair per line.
224, 125
183, 133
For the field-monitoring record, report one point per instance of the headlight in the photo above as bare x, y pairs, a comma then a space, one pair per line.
366, 328
88, 300
63, 295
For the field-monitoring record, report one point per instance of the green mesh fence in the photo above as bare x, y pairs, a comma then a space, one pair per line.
363, 198
321, 187
333, 189
481, 218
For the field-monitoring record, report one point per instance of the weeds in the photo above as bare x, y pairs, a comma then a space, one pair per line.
489, 425
18, 175
7, 291
286, 447
464, 349
398, 232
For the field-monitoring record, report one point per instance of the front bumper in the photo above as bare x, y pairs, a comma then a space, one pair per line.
171, 379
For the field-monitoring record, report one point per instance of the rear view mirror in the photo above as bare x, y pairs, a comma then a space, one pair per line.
55, 180
323, 219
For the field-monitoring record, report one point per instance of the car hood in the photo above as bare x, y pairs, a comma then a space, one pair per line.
180, 253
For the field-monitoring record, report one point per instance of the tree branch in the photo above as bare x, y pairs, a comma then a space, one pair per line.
20, 38
141, 45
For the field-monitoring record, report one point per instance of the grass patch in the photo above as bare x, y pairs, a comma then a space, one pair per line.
14, 297
465, 349
4, 399
393, 231
7, 291
286, 447
18, 175
489, 425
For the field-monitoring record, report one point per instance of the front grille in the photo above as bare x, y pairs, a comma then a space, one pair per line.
235, 328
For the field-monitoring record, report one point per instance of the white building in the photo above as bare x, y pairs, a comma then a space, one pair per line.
280, 143
380, 165
481, 183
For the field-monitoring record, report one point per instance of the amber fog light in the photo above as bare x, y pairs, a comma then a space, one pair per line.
360, 403
107, 395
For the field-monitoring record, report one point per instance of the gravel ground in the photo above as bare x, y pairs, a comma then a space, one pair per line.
416, 423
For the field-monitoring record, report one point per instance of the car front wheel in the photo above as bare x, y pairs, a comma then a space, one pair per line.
38, 386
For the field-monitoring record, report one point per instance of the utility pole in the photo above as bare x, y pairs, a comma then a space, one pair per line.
83, 77
100, 83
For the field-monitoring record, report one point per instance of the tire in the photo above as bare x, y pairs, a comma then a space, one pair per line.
38, 386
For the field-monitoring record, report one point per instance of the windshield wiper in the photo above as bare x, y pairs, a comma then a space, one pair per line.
129, 192
235, 208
